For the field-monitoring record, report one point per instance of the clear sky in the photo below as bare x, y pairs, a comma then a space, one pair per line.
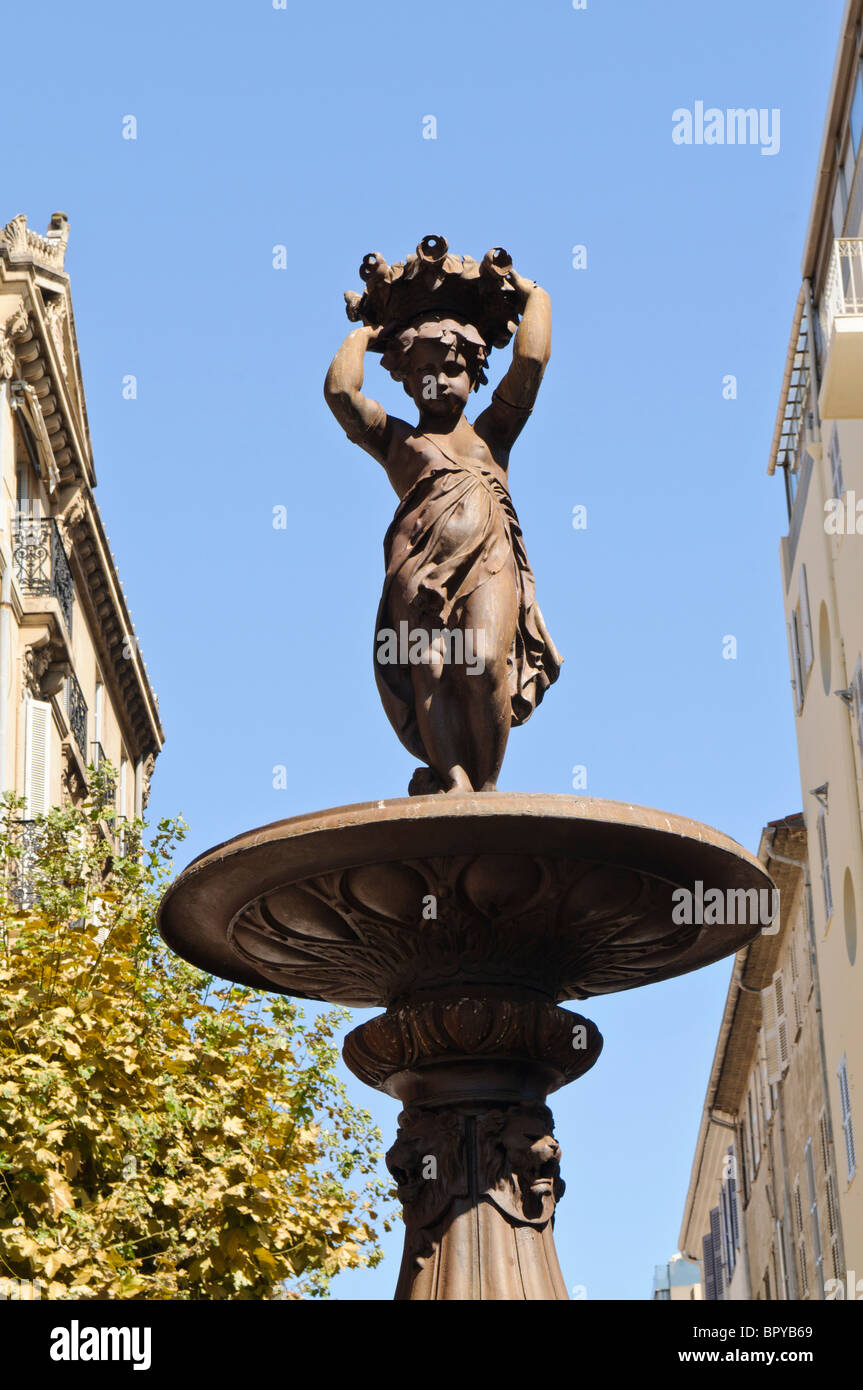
302, 127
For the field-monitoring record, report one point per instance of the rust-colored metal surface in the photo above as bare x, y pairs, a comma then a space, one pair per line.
567, 897
462, 653
469, 919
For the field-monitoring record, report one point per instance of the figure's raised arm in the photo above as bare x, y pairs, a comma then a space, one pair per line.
513, 399
363, 420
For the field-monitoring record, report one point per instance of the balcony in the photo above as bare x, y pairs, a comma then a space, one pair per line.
40, 563
20, 877
841, 321
76, 712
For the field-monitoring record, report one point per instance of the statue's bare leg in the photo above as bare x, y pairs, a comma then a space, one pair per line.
443, 721
488, 621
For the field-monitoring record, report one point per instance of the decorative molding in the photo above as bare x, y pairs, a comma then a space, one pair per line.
146, 777
72, 776
46, 666
470, 1030
517, 1166
15, 328
22, 244
432, 922
478, 1188
56, 318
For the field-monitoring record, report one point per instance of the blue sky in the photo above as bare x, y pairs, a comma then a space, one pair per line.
303, 127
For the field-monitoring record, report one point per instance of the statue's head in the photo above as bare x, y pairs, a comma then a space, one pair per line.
439, 361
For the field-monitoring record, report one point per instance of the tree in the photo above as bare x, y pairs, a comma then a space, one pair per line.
162, 1135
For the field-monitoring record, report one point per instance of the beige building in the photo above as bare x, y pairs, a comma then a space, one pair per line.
818, 449
73, 688
761, 1214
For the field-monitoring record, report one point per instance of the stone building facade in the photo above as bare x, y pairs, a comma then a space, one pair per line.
818, 449
74, 691
762, 1214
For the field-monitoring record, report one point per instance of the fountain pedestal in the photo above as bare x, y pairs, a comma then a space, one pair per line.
469, 919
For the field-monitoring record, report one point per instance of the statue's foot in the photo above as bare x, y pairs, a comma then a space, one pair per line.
424, 783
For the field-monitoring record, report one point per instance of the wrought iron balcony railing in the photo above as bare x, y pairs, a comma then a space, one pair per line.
76, 709
843, 286
40, 562
20, 878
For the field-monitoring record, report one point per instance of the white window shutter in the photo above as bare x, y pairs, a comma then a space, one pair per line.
836, 464
768, 1016
796, 668
825, 864
796, 1010
847, 1125
807, 649
37, 757
781, 1019
857, 686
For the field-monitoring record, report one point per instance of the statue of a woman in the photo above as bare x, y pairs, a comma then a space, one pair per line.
462, 652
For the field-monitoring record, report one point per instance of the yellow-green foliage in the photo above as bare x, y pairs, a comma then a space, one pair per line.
162, 1135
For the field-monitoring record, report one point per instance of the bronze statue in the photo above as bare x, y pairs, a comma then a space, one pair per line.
462, 652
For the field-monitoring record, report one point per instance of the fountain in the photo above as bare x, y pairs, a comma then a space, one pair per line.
467, 914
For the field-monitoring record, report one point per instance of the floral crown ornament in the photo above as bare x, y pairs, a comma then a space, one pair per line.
469, 304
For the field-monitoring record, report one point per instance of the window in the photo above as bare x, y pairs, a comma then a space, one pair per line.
840, 200
807, 648
825, 864
815, 1224
856, 121
796, 666
781, 1270
728, 1212
838, 481
775, 1027
801, 1240
849, 165
97, 716
830, 1193
810, 939
796, 1007
857, 686
847, 1125
753, 1133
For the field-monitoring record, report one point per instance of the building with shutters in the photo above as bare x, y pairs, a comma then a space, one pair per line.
679, 1280
762, 1215
817, 449
74, 691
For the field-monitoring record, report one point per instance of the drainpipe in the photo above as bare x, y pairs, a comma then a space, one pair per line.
5, 612
828, 1111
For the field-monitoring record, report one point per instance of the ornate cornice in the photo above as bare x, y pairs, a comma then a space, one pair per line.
23, 244
111, 626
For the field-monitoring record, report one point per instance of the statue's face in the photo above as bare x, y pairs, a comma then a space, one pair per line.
438, 379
